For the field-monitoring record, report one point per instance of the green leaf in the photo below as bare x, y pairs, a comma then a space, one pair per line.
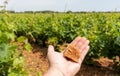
28, 47
12, 74
5, 53
10, 36
117, 41
19, 62
22, 39
39, 74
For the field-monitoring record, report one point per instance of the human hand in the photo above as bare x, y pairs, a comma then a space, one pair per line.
59, 64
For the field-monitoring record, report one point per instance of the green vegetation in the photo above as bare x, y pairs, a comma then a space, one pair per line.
102, 29
11, 60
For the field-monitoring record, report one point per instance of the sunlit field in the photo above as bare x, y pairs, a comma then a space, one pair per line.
21, 32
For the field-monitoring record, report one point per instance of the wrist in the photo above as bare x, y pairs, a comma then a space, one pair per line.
53, 71
58, 71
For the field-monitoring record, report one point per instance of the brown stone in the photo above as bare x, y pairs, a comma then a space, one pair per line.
72, 53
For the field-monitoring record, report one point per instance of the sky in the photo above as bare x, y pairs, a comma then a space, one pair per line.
63, 5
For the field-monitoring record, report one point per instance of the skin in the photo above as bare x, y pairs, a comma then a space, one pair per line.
60, 66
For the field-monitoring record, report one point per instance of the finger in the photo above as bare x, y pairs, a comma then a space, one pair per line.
50, 51
81, 42
84, 45
75, 41
83, 54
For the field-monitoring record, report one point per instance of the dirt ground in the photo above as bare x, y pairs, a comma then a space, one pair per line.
37, 62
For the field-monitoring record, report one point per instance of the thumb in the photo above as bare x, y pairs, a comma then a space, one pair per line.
50, 53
